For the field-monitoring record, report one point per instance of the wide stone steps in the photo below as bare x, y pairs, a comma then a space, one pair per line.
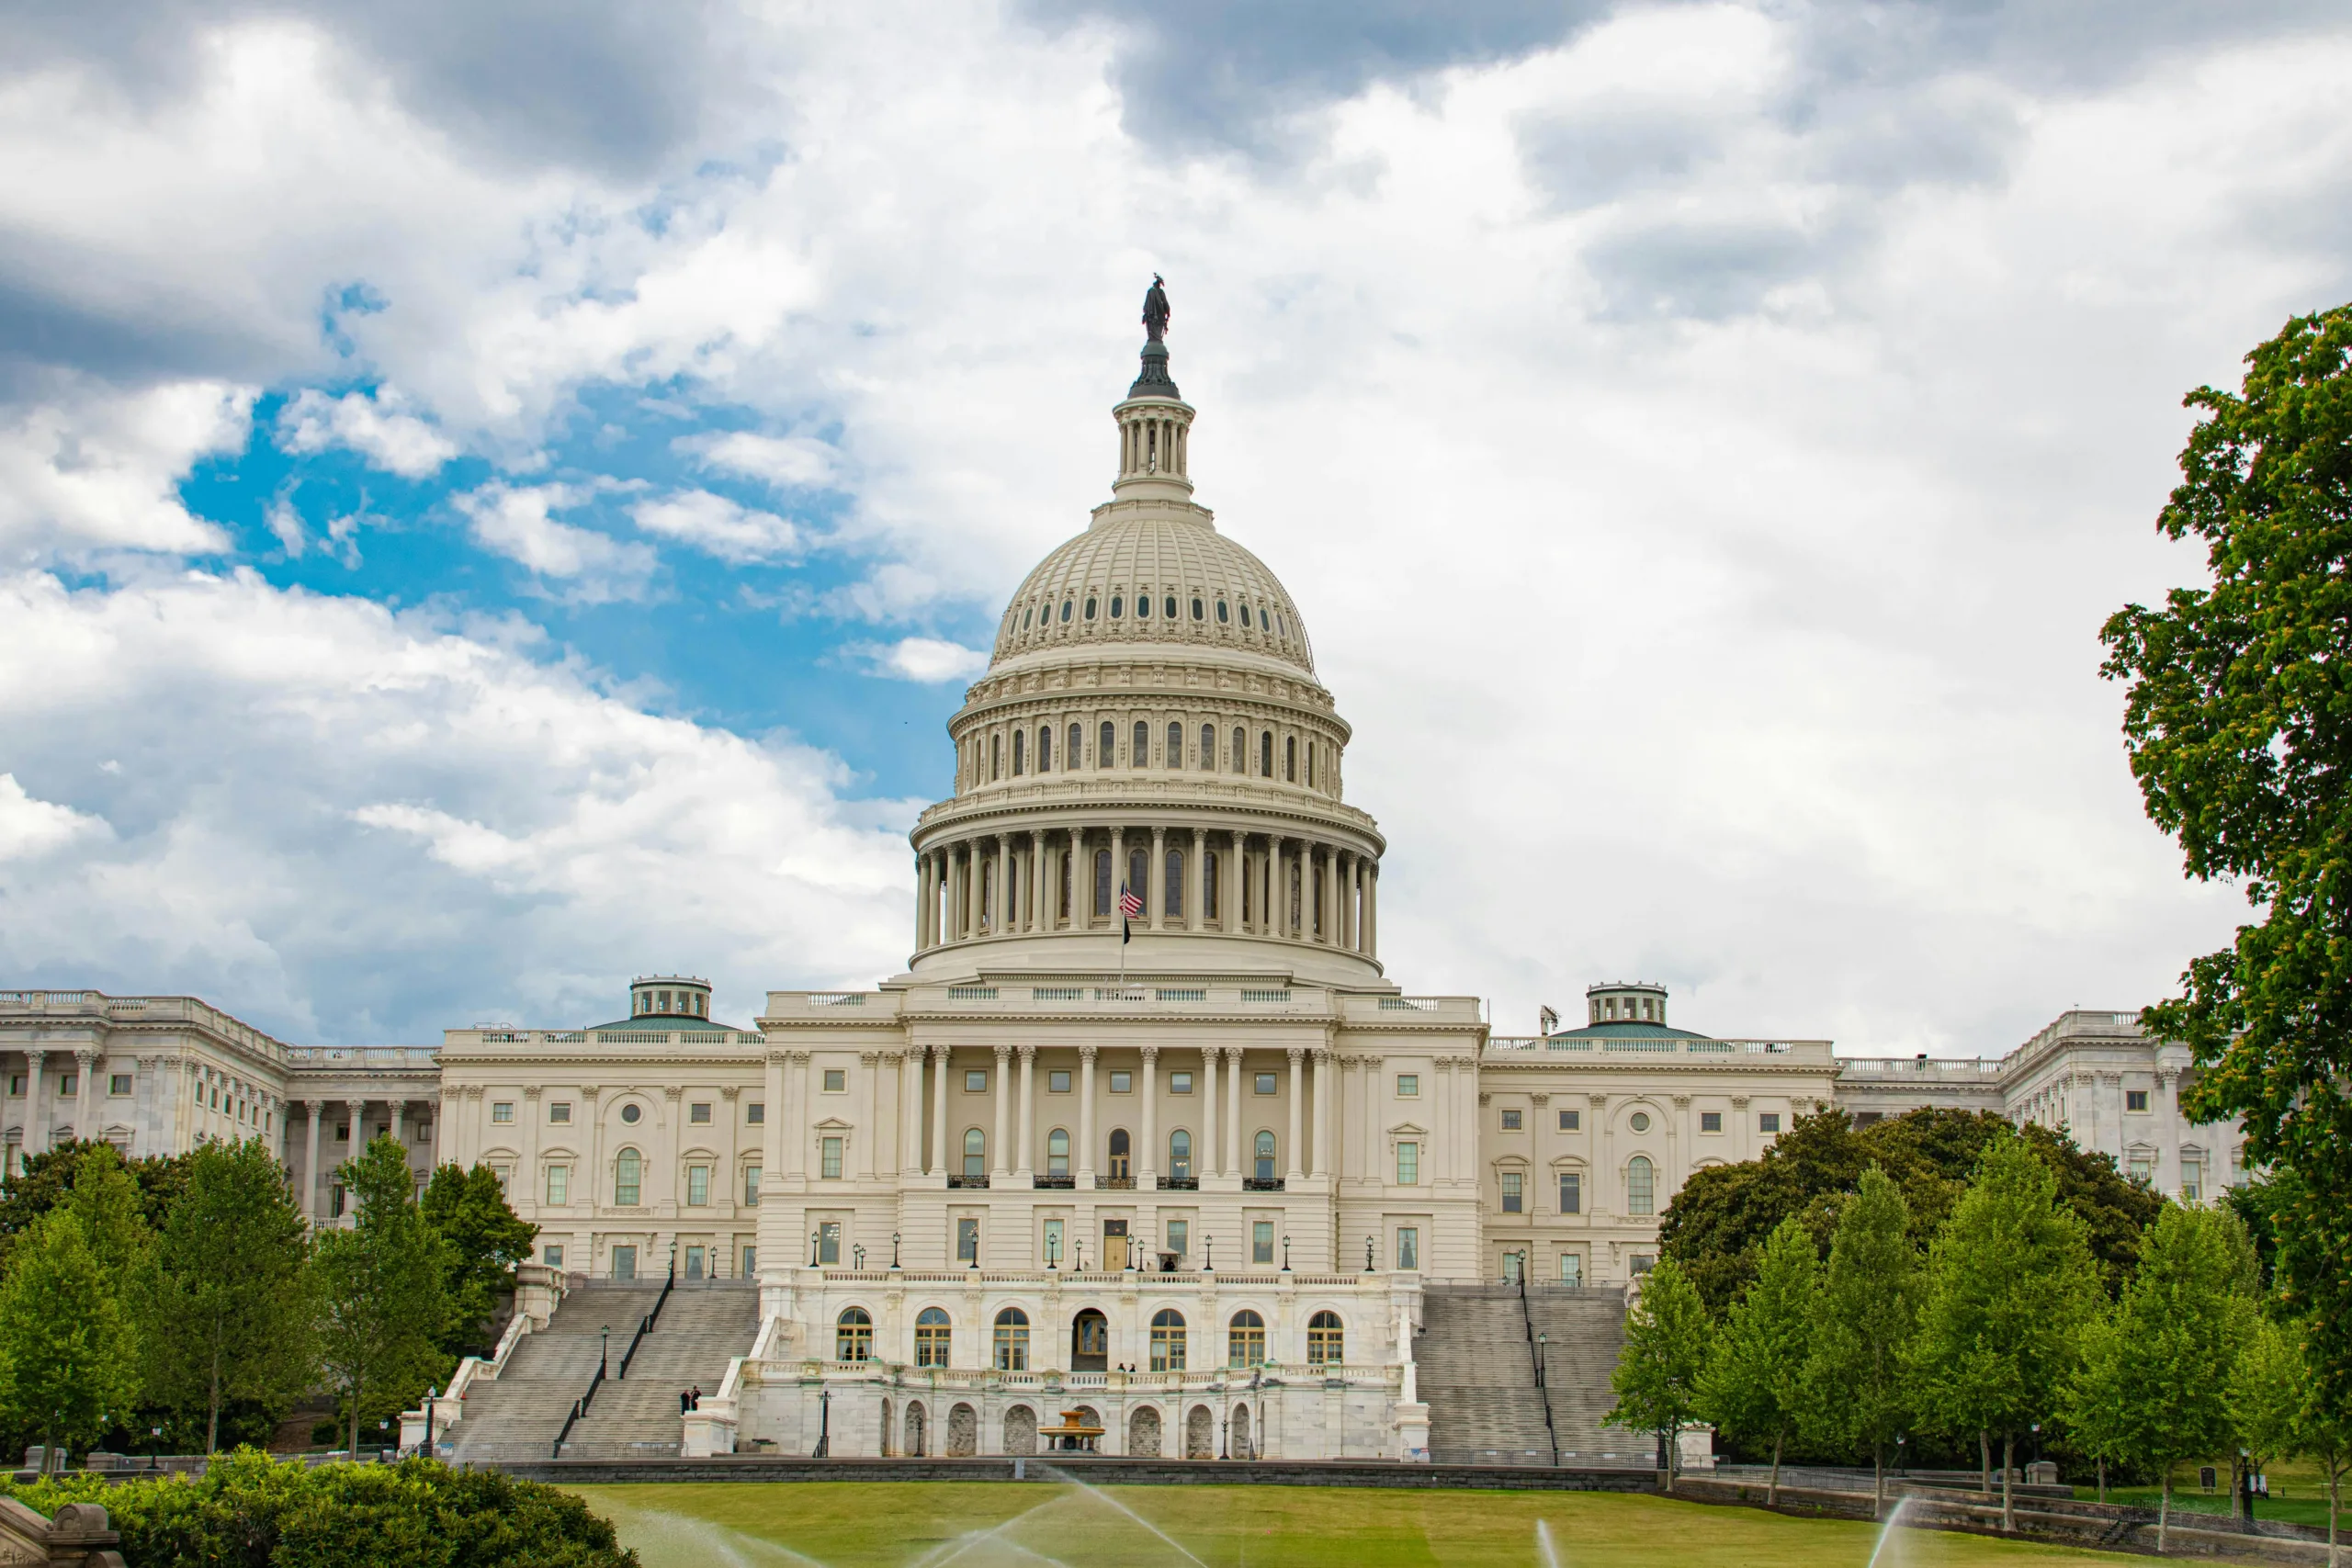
517, 1416
1586, 1332
704, 1326
1477, 1372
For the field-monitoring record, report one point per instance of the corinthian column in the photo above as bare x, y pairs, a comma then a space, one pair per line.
1196, 882
1274, 910
910, 1114
1232, 885
1323, 1120
1086, 1118
1023, 1166
1118, 875
1291, 1155
1156, 878
310, 1160
1205, 1158
1371, 909
1002, 914
1040, 918
1147, 1156
938, 1164
1236, 1156
997, 1166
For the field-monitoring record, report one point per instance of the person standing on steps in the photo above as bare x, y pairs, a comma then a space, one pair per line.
686, 1401
694, 1400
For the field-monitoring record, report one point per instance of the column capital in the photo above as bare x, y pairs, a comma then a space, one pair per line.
531, 1091
86, 1054
315, 1106
1296, 1052
1028, 1052
776, 1059
1086, 1053
1002, 1052
1150, 1054
1233, 1055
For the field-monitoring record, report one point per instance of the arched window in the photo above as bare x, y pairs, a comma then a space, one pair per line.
1142, 758
1197, 612
1240, 750
1139, 869
1175, 746
1076, 753
1090, 1340
1209, 863
1326, 1340
1265, 1156
976, 1152
1143, 605
1266, 753
853, 1337
932, 1333
1641, 1186
1172, 901
1220, 613
1102, 882
1117, 604
1245, 1340
1107, 750
1020, 751
628, 1169
1208, 748
1168, 1340
1122, 1167
1289, 759
1090, 607
1179, 1155
1310, 764
1169, 606
1065, 610
1012, 1340
1058, 1153
1045, 750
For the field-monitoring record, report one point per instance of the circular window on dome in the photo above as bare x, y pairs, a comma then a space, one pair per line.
1169, 608
1143, 606
1221, 616
1640, 1120
1116, 602
630, 1113
1065, 609
1089, 609
1196, 610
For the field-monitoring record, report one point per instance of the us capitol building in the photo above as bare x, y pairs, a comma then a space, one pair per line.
1146, 1124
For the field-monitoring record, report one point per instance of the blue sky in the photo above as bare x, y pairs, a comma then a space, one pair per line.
489, 505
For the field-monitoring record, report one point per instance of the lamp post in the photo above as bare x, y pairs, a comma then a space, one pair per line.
1898, 1453
1542, 1356
2245, 1485
894, 1249
1367, 1255
857, 1257
604, 1352
1081, 1255
431, 1391
1285, 1254
1208, 1255
812, 1249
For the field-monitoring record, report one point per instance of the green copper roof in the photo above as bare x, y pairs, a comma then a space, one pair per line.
667, 1023
1625, 1029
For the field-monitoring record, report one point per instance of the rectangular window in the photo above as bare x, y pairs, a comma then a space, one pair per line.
751, 1174
698, 1116
15, 1086
559, 1111
1571, 1121
755, 1112
1513, 1201
334, 1202
2135, 1099
1053, 1244
1644, 1262
1057, 1082
119, 1085
2140, 1167
750, 1262
829, 1242
1767, 1120
501, 1111
552, 1254
1408, 1086
1409, 1247
695, 1255
976, 1080
830, 1167
837, 1080
1179, 1083
697, 1185
559, 1184
1261, 1241
1510, 1120
1409, 1164
1571, 1192
70, 1084
1180, 1233
1264, 1083
1123, 1083
967, 1241
1711, 1121
624, 1263
1572, 1268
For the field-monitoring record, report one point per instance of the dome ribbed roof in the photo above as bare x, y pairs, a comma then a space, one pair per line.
1223, 596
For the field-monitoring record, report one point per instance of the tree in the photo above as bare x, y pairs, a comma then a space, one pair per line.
233, 1288
1754, 1382
47, 1177
2009, 1283
68, 1357
469, 1210
1656, 1380
2238, 723
382, 1288
1858, 1392
2265, 1396
2156, 1371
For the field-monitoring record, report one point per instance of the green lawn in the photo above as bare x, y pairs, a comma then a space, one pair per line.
853, 1525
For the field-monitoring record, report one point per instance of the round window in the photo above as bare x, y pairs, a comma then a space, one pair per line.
630, 1113
1640, 1120
1089, 609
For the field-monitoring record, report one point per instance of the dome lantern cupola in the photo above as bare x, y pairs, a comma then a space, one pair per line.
1155, 423
669, 996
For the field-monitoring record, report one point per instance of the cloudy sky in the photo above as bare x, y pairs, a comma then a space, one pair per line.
497, 497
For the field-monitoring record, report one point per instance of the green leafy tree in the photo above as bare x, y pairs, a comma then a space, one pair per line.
2266, 1394
468, 1210
68, 1356
2009, 1283
1753, 1386
2238, 723
1865, 1315
2156, 1371
234, 1294
382, 1289
47, 1177
1656, 1380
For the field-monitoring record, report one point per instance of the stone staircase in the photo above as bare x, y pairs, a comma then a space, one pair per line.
703, 1326
1586, 1331
1477, 1378
518, 1416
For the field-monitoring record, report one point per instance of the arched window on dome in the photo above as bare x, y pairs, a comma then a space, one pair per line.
996, 758
1310, 764
1138, 868
1172, 902
1289, 759
1143, 604
1221, 616
1045, 750
1066, 612
1142, 757
1027, 615
1210, 861
1240, 749
1208, 748
1107, 749
1175, 746
1102, 883
1076, 752
1020, 751
1197, 612
1061, 907
1245, 616
1266, 753
1118, 603
1168, 608
1090, 607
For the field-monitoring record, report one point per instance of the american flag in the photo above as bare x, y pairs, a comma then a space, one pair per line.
1130, 904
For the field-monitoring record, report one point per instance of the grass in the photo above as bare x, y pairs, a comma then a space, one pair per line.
869, 1525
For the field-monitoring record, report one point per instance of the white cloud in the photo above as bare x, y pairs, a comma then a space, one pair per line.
725, 528
88, 469
789, 462
926, 659
358, 826
518, 524
378, 428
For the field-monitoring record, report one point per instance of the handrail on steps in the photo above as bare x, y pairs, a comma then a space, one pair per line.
1536, 1362
579, 1409
645, 1323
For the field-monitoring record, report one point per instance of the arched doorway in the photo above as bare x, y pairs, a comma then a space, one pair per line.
886, 1426
1020, 1430
1143, 1433
1090, 1342
914, 1448
1200, 1433
1237, 1443
963, 1432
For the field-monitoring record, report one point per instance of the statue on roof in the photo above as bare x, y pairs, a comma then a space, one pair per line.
1155, 310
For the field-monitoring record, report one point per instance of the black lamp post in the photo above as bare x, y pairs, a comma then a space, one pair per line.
1542, 1356
1367, 1255
1081, 1255
857, 1257
604, 1351
1208, 1255
1285, 1254
431, 1393
812, 1249
894, 1249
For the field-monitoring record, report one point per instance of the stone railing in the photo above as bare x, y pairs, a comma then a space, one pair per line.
1744, 1054
538, 1289
141, 1009
1916, 1067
